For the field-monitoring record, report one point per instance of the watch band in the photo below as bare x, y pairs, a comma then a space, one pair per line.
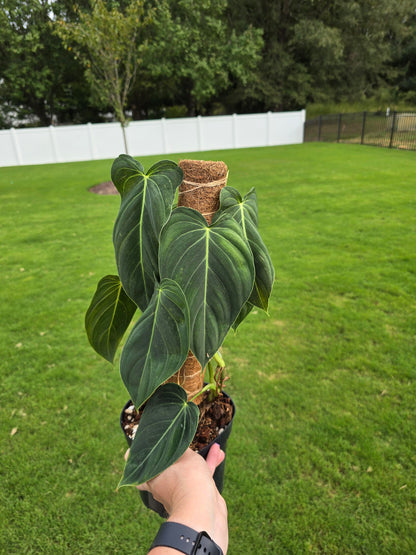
185, 539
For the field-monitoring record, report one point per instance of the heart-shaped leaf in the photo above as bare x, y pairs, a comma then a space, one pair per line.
146, 203
124, 173
230, 198
158, 344
214, 267
108, 316
167, 427
244, 211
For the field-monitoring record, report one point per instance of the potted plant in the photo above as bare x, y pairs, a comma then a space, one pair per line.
195, 270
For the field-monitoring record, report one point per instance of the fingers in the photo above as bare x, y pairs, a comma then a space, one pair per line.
215, 457
126, 456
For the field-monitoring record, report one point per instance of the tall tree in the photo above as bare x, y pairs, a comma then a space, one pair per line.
320, 50
405, 60
38, 78
196, 56
107, 41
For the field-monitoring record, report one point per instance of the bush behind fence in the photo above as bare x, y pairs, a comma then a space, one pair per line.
388, 129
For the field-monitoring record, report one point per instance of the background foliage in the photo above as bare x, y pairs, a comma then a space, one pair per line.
210, 56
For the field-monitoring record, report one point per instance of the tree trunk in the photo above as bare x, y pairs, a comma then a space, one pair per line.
123, 128
200, 190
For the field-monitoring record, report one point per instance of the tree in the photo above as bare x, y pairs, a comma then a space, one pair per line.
38, 78
107, 42
250, 55
370, 31
405, 59
196, 56
315, 50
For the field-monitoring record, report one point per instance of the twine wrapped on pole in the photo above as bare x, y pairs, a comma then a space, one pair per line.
201, 186
200, 190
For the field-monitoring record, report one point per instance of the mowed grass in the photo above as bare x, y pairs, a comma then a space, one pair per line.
322, 457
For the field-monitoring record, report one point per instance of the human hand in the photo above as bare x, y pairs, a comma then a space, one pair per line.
190, 496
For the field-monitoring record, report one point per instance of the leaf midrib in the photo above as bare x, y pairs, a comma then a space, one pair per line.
151, 337
206, 281
141, 234
112, 317
172, 423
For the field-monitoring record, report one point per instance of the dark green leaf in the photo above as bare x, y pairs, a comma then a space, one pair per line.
214, 266
146, 203
124, 172
244, 312
108, 316
244, 211
166, 429
230, 198
158, 344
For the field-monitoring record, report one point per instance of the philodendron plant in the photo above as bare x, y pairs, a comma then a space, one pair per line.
192, 282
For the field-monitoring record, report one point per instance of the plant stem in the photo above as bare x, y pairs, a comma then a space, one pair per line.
212, 382
208, 387
219, 360
211, 371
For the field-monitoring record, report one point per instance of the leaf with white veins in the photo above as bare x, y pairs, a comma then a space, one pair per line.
244, 211
214, 267
146, 203
167, 427
108, 316
158, 344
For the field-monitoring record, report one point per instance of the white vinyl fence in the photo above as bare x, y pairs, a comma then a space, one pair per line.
44, 145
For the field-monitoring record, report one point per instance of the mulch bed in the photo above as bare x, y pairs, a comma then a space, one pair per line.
104, 188
214, 417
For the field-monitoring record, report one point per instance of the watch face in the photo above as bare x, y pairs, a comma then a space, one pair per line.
205, 544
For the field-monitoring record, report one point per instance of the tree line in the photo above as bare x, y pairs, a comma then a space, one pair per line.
63, 61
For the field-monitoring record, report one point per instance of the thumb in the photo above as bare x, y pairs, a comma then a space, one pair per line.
215, 457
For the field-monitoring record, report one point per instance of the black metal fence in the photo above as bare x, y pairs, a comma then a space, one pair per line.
388, 129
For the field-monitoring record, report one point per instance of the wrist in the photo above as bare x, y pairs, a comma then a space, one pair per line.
197, 521
176, 536
197, 511
208, 517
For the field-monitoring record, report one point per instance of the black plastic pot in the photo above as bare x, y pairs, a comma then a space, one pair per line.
148, 499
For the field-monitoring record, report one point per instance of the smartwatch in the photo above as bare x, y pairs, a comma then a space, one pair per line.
185, 539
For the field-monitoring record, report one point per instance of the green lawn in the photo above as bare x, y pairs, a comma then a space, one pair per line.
322, 457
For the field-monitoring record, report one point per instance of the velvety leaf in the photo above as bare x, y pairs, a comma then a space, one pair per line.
108, 316
158, 344
124, 172
214, 267
166, 429
244, 312
146, 203
230, 198
244, 211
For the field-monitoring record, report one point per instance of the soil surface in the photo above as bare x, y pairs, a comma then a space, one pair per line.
104, 188
214, 417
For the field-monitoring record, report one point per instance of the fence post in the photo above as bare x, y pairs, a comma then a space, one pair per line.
55, 150
269, 129
234, 130
164, 135
339, 127
393, 125
16, 146
363, 127
319, 128
199, 131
